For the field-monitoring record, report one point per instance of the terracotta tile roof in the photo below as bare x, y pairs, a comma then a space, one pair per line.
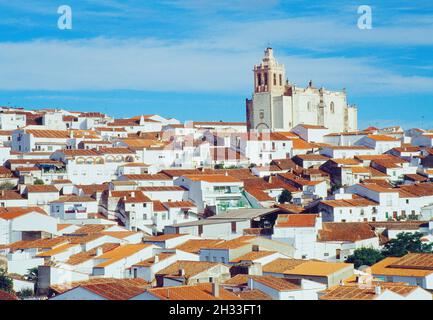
399, 225
252, 255
279, 284
239, 280
91, 228
120, 253
168, 188
130, 196
258, 194
61, 226
254, 294
152, 260
379, 137
56, 134
345, 161
57, 250
10, 195
290, 208
115, 151
377, 188
213, 178
345, 231
80, 152
74, 198
304, 267
120, 234
299, 144
8, 213
90, 254
194, 246
158, 207
317, 268
311, 157
285, 164
7, 296
356, 292
146, 177
240, 174
232, 244
201, 291
415, 177
111, 289
41, 188
179, 204
357, 202
164, 237
296, 220
92, 188
45, 243
191, 268
173, 173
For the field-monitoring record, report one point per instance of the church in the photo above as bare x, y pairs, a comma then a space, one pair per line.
278, 105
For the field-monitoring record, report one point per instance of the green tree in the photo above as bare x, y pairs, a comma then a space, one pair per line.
219, 166
285, 196
32, 274
25, 293
404, 243
39, 182
6, 283
365, 257
252, 165
7, 186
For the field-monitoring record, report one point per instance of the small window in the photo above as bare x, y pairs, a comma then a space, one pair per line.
332, 107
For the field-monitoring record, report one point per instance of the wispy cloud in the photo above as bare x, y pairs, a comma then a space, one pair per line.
105, 64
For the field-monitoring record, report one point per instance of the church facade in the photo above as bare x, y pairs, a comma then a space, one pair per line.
277, 105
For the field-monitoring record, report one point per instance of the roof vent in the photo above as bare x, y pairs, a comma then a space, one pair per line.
377, 290
215, 289
181, 272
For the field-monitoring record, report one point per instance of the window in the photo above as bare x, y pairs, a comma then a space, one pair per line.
259, 79
309, 106
332, 107
144, 205
407, 201
144, 216
275, 79
262, 114
266, 79
281, 79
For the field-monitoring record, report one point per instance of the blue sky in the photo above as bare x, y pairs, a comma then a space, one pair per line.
192, 59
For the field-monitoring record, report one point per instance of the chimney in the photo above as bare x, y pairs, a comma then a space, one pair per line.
377, 290
255, 248
99, 251
181, 272
156, 259
215, 289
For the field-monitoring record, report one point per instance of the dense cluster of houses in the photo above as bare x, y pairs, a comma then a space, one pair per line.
149, 208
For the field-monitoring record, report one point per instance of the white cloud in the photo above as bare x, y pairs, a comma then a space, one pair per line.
105, 64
